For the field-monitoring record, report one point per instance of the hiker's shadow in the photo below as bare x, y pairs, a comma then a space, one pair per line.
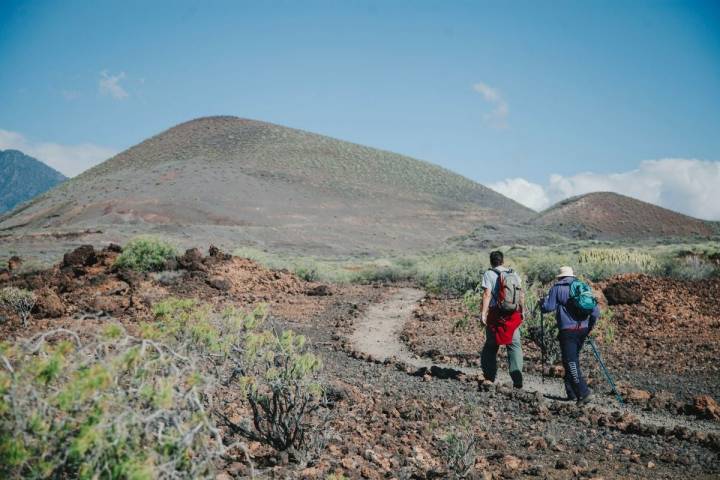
559, 398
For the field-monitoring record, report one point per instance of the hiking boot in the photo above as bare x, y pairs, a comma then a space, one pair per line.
517, 379
585, 400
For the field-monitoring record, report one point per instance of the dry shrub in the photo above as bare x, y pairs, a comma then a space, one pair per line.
459, 450
279, 378
19, 301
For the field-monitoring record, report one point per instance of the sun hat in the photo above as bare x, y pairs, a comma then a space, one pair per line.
566, 272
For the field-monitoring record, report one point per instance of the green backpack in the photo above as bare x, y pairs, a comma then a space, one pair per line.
581, 302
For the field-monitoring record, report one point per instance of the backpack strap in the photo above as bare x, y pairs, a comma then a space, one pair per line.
499, 274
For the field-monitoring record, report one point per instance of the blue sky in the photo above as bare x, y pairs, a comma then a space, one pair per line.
506, 93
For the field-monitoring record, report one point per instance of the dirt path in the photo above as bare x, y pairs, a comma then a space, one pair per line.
377, 333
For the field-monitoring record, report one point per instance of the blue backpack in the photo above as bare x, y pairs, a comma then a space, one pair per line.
581, 302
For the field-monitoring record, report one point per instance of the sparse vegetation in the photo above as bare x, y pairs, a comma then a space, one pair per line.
459, 450
114, 405
605, 327
457, 272
145, 254
19, 301
279, 378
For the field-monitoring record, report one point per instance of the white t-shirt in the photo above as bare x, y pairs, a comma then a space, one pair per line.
490, 281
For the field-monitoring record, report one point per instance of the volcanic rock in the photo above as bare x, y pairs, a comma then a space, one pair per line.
511, 462
220, 283
131, 277
48, 304
318, 291
638, 396
706, 407
113, 304
620, 293
192, 260
170, 265
83, 256
215, 252
113, 248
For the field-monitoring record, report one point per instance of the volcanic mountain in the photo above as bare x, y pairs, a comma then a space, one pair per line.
611, 216
235, 181
22, 177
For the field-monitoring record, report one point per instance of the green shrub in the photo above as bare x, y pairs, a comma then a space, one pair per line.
307, 271
452, 273
542, 267
145, 254
617, 256
280, 380
690, 267
19, 301
116, 406
276, 372
112, 407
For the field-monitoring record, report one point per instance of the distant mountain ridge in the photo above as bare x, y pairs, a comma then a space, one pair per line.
241, 181
232, 182
23, 177
612, 216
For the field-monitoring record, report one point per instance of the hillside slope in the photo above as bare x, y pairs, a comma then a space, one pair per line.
236, 181
22, 177
607, 215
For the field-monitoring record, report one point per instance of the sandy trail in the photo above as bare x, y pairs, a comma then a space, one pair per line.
377, 333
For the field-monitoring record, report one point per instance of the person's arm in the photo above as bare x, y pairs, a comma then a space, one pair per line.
487, 294
550, 303
594, 317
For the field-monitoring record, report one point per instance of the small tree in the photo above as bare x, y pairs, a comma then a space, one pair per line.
279, 378
20, 301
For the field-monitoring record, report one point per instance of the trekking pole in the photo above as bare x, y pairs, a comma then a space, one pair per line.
605, 370
542, 346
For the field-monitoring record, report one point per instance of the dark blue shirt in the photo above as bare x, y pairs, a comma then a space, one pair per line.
556, 301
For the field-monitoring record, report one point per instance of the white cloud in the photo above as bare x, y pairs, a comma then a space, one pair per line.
67, 159
689, 186
110, 85
529, 194
498, 116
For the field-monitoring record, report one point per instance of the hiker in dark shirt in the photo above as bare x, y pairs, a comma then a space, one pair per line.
573, 331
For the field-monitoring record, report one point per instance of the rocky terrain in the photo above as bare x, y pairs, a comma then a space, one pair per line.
22, 178
390, 418
662, 333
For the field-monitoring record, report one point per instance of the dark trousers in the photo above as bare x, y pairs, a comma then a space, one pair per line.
571, 343
488, 357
